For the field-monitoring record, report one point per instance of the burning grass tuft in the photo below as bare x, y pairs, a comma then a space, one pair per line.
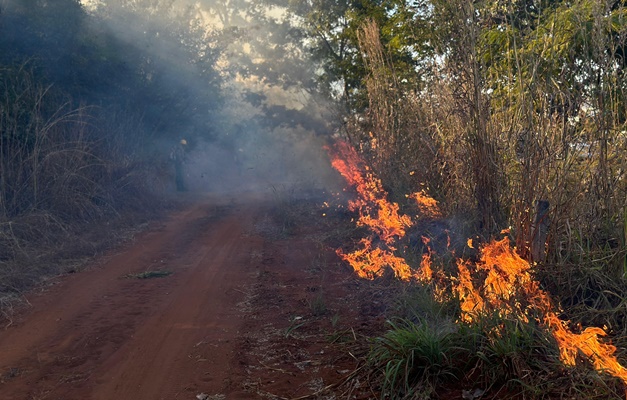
503, 358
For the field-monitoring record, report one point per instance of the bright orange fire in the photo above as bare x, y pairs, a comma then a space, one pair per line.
375, 211
427, 205
425, 272
370, 263
587, 342
508, 280
471, 302
505, 274
382, 217
500, 283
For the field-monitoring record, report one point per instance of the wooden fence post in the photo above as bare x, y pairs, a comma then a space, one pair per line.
540, 231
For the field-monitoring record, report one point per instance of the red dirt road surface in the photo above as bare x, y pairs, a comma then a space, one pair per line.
249, 311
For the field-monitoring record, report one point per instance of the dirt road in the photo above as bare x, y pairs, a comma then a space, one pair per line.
241, 315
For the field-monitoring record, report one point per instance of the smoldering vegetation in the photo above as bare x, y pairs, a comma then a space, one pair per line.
96, 101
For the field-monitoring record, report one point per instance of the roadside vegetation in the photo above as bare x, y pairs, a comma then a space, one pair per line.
65, 194
98, 99
495, 108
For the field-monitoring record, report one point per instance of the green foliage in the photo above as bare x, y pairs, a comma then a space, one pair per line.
513, 354
416, 359
119, 60
330, 28
412, 355
295, 323
418, 303
510, 103
318, 305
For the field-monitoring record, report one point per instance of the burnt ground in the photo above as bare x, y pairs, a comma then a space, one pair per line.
256, 305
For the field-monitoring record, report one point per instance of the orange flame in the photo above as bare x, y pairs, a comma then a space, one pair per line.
375, 211
500, 283
371, 262
587, 342
471, 302
425, 272
509, 280
427, 205
508, 288
505, 273
382, 217
387, 223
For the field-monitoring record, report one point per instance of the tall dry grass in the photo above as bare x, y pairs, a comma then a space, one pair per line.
507, 121
67, 181
46, 160
396, 130
511, 117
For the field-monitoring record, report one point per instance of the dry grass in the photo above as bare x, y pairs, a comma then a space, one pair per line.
68, 190
489, 152
490, 139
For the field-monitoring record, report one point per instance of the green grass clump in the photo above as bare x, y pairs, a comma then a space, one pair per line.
412, 355
150, 274
429, 351
318, 305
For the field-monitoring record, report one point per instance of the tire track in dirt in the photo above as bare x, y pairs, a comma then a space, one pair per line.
97, 335
252, 310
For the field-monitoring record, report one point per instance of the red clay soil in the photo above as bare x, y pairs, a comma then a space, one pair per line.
251, 310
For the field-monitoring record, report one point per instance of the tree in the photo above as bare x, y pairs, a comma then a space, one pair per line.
331, 28
159, 56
